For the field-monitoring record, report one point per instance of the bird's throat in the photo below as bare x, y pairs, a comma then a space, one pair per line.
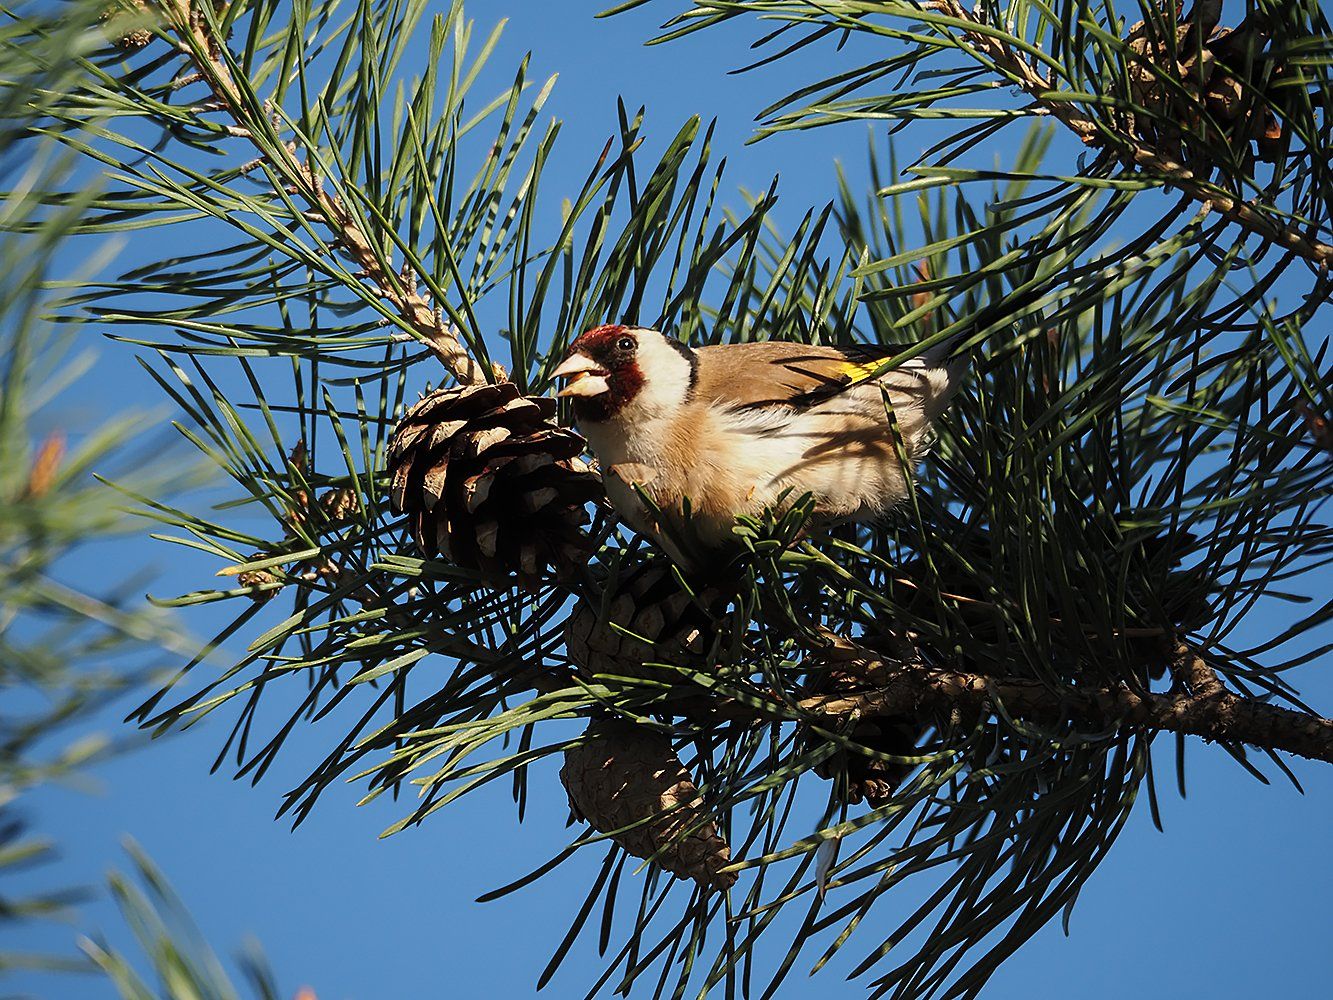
623, 384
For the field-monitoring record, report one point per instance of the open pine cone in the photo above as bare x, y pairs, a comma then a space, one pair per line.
665, 623
841, 671
870, 778
490, 483
622, 774
1222, 71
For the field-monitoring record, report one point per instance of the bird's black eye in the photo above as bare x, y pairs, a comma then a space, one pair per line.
625, 344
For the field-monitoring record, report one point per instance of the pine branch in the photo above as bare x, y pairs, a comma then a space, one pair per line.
74, 635
1199, 704
1206, 710
169, 946
1011, 63
1076, 509
200, 44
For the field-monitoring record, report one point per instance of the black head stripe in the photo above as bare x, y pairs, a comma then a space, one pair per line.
690, 355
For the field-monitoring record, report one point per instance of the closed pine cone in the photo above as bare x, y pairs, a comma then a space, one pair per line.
665, 624
622, 774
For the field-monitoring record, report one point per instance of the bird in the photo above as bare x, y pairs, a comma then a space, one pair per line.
690, 438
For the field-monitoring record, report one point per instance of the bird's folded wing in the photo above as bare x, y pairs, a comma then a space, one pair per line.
777, 373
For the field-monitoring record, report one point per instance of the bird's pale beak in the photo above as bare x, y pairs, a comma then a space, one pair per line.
586, 377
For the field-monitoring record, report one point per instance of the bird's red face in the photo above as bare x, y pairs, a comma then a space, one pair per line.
602, 371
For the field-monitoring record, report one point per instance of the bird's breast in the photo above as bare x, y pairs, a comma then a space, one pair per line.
731, 461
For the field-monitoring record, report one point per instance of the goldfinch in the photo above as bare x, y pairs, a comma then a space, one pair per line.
710, 433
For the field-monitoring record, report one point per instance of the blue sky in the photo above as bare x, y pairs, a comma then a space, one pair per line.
1231, 901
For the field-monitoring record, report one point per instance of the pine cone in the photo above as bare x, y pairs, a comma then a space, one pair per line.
667, 626
126, 24
490, 482
839, 671
621, 774
258, 578
340, 505
1205, 70
870, 778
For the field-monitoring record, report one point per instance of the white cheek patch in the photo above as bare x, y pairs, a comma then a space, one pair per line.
666, 374
586, 385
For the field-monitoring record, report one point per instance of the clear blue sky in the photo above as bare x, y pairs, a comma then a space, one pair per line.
1232, 901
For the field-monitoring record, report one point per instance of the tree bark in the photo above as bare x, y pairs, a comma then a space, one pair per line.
1205, 709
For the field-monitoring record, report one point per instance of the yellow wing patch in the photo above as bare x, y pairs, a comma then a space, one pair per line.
859, 370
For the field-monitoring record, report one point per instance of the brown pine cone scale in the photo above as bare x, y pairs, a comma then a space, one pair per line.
490, 483
622, 775
648, 618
